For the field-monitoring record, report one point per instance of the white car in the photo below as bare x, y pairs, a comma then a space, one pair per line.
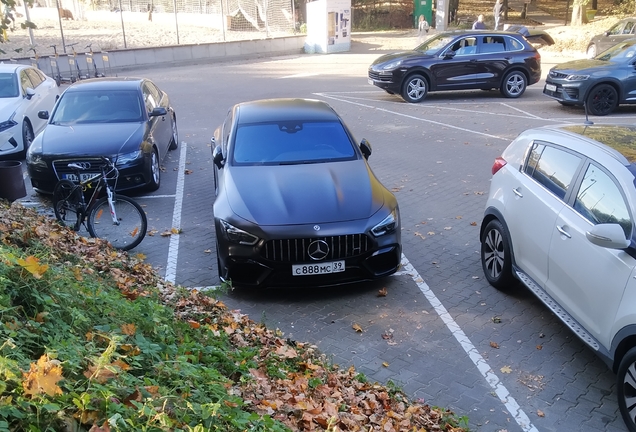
560, 218
24, 91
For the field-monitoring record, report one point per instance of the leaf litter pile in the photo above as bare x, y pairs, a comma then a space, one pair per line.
92, 339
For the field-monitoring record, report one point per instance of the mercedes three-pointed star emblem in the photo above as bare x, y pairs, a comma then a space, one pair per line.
318, 250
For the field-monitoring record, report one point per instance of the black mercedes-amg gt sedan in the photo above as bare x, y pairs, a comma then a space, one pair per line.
297, 204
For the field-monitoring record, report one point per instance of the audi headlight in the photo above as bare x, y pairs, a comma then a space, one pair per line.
35, 159
124, 159
577, 77
389, 224
392, 65
237, 235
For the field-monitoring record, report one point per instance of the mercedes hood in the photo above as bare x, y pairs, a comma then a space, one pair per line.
304, 194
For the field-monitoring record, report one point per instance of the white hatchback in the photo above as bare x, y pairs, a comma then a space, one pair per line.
560, 218
24, 91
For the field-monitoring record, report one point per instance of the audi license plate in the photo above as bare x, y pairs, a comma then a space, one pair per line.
83, 176
550, 87
315, 269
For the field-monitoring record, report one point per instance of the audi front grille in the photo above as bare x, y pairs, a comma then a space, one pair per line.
60, 166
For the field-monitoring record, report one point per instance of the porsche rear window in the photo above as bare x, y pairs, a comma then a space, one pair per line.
291, 142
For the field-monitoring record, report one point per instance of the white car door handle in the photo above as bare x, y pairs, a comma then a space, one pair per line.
564, 232
517, 192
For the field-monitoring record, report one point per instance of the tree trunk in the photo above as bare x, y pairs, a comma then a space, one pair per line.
579, 15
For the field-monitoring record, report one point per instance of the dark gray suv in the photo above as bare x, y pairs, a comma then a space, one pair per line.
601, 83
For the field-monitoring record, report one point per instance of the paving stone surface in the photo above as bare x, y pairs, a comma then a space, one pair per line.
436, 156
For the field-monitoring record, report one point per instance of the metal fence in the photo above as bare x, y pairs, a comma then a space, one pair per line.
120, 24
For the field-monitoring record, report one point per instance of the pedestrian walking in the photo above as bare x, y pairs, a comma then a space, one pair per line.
497, 11
479, 24
422, 28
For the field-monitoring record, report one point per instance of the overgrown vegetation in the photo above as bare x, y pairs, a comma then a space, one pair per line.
91, 339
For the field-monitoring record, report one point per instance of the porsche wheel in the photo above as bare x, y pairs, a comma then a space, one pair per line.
415, 88
514, 84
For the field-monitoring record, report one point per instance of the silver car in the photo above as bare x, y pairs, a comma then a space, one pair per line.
624, 29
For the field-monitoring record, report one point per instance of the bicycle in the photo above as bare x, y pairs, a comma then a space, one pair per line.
90, 60
116, 218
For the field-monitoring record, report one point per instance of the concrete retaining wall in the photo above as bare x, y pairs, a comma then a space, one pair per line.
139, 58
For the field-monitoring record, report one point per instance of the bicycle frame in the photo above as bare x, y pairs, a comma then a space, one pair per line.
102, 182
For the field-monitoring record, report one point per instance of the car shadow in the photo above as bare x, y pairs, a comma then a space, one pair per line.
303, 294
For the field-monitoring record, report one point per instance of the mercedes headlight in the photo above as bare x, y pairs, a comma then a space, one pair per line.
237, 235
389, 224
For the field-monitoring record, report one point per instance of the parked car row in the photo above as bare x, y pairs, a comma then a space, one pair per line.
486, 60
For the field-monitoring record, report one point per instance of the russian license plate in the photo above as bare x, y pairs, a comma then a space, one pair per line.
370, 81
316, 269
83, 176
550, 87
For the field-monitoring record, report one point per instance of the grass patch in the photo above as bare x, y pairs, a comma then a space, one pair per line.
91, 339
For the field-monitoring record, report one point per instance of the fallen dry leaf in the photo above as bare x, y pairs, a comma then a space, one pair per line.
506, 370
382, 292
473, 224
494, 344
540, 413
385, 364
357, 327
539, 347
43, 377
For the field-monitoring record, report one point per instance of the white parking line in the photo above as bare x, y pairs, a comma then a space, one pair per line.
300, 75
486, 371
522, 111
450, 126
173, 250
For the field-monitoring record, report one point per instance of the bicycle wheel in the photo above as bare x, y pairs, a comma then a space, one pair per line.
130, 230
67, 204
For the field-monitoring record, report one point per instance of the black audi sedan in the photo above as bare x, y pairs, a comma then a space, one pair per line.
601, 83
460, 60
128, 120
297, 204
